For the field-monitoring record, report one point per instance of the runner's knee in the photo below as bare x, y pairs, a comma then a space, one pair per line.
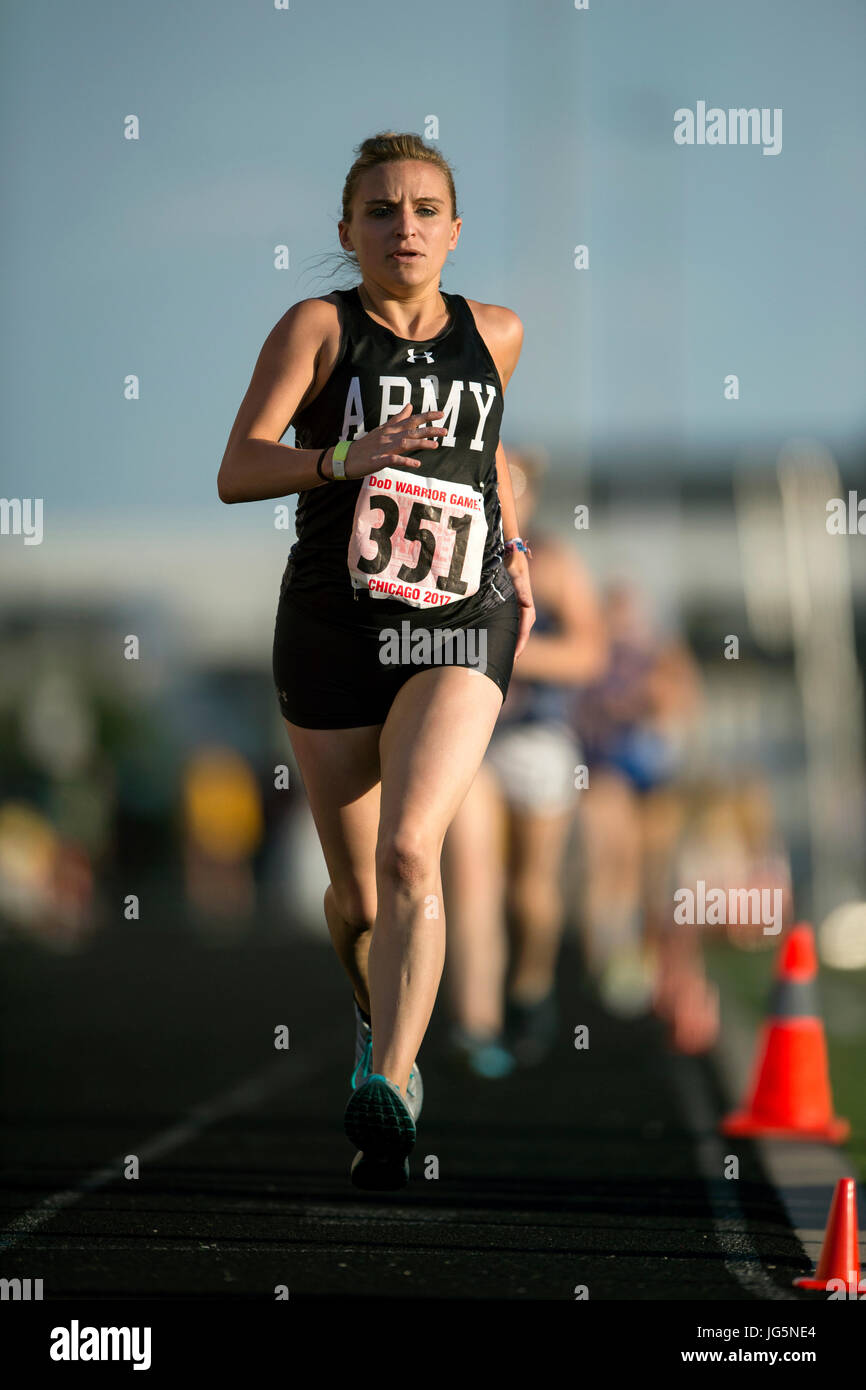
354, 903
407, 859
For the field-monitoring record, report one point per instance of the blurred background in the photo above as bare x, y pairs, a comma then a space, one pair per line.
145, 774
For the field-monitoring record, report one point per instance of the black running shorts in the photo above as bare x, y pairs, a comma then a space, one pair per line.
330, 676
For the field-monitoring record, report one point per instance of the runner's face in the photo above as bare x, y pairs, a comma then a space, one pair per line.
398, 207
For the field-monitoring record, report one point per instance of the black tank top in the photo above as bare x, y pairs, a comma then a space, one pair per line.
428, 540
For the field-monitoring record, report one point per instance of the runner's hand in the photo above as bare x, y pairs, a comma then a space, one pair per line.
518, 572
381, 447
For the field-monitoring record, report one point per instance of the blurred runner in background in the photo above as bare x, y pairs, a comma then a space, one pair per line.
634, 724
729, 839
502, 857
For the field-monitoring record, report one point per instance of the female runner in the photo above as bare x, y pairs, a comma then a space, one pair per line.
402, 606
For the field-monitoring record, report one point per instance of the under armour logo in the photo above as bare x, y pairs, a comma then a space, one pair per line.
410, 355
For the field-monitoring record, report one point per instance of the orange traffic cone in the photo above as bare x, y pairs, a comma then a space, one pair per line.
790, 1097
840, 1253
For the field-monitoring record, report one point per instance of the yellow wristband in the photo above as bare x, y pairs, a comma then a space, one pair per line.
340, 452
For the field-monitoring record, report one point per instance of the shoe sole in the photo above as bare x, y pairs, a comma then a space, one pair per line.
377, 1122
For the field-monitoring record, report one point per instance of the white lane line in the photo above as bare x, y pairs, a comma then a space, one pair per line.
243, 1096
741, 1256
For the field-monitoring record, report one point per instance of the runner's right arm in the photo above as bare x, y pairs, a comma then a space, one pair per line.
255, 465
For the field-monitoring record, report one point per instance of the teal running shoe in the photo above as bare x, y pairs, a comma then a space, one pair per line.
364, 1064
415, 1092
363, 1049
379, 1122
482, 1055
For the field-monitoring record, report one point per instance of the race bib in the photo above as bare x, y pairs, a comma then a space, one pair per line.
417, 539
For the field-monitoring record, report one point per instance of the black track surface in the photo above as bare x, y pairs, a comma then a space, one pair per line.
582, 1172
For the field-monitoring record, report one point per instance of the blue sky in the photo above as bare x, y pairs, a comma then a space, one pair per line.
156, 256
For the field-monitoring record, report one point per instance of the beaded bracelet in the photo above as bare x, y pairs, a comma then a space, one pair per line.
517, 544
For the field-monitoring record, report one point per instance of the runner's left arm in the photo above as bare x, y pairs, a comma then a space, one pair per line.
515, 562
